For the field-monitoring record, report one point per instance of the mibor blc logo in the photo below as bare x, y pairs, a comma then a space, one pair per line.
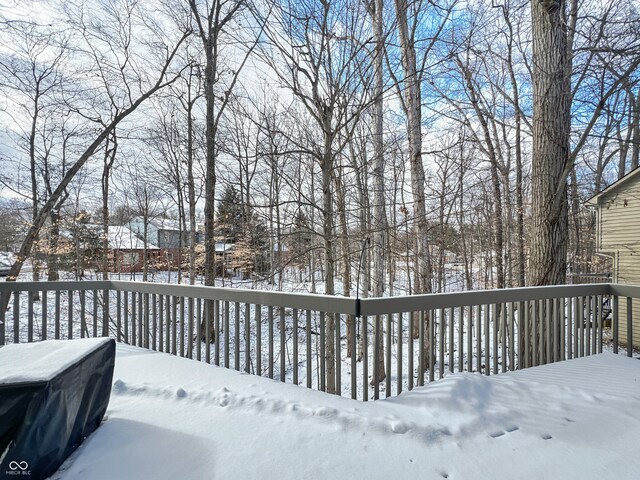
18, 468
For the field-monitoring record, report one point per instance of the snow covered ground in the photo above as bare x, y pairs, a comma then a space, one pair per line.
173, 418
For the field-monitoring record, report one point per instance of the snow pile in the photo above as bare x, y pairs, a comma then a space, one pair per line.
172, 418
42, 361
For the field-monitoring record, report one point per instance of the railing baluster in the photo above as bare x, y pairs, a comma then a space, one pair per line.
569, 337
180, 314
270, 318
460, 338
470, 340
479, 338
207, 312
227, 335
525, 335
119, 316
323, 347
487, 343
441, 343
410, 353
236, 336
198, 328
216, 333
535, 324
70, 314
503, 335
126, 317
309, 350
190, 326
154, 322
105, 312
387, 390
589, 323
167, 335
94, 321
600, 322
365, 357
615, 303
56, 316
496, 329
161, 322
399, 342
174, 325
421, 343
258, 320
376, 354
143, 322
432, 344
44, 303
580, 321
338, 350
30, 317
247, 338
16, 317
283, 370
451, 339
511, 334
563, 325
84, 331
354, 356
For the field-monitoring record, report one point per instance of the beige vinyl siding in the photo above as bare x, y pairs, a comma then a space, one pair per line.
635, 327
628, 272
620, 219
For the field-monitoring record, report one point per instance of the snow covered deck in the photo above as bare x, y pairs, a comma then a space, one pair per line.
173, 418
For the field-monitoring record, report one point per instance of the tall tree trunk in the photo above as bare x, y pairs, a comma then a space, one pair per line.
54, 236
379, 211
329, 259
108, 159
551, 125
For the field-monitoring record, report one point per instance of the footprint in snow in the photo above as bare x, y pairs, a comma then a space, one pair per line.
181, 393
546, 436
499, 433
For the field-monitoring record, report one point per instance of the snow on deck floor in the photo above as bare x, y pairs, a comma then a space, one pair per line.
172, 418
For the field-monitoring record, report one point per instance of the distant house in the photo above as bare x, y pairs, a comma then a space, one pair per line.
126, 250
166, 234
617, 210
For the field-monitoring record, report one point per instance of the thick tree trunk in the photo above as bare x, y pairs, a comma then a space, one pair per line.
551, 125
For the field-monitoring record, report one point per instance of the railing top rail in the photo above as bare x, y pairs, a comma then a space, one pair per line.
411, 303
61, 285
302, 301
335, 304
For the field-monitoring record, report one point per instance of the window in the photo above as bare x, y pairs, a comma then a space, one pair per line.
130, 258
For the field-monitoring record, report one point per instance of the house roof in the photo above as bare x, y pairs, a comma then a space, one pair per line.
121, 238
593, 201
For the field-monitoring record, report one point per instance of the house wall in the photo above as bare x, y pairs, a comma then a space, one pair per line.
619, 219
619, 235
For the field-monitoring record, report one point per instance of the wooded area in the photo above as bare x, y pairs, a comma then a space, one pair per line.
369, 141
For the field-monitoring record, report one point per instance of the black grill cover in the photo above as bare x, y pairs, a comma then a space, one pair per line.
43, 421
